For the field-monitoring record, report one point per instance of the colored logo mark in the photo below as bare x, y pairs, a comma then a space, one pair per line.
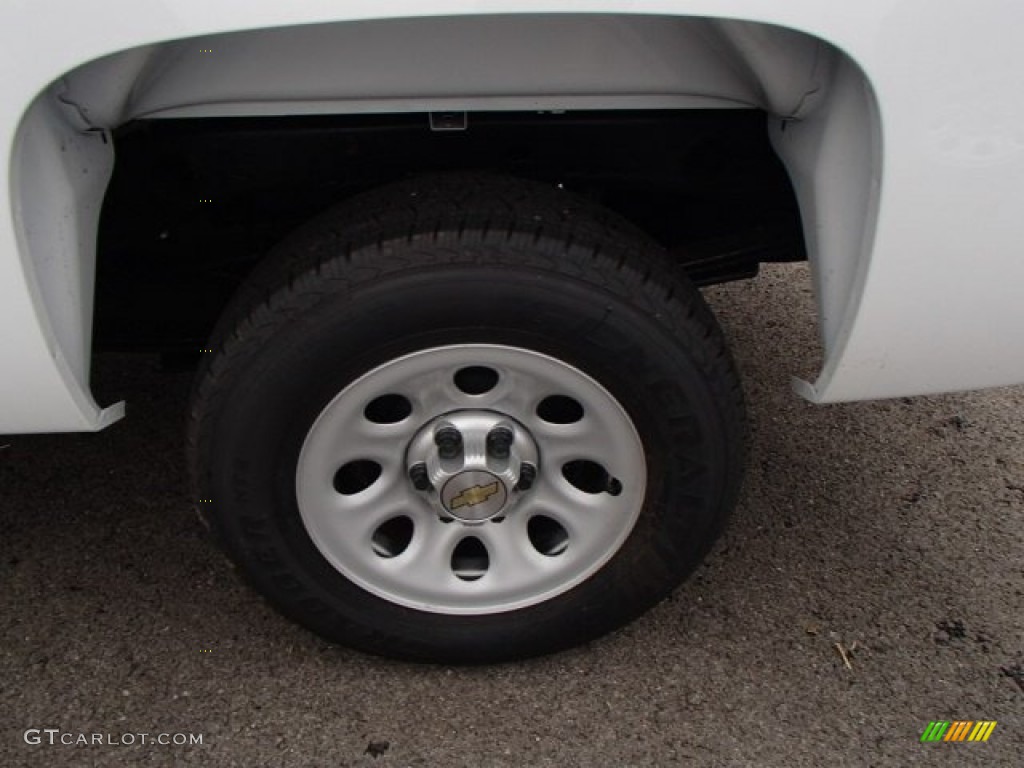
476, 495
958, 730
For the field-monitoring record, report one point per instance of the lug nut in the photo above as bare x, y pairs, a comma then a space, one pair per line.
527, 475
448, 441
499, 442
419, 477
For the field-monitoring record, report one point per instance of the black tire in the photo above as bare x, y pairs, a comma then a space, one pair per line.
464, 259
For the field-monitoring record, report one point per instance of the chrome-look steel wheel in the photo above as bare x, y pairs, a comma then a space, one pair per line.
471, 479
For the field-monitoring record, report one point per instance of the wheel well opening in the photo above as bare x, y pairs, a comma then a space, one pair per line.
194, 204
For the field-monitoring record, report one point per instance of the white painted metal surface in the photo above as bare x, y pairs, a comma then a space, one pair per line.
523, 62
908, 171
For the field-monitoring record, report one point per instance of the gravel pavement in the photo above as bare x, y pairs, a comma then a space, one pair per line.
891, 531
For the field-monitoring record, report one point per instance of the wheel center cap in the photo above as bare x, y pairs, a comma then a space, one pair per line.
474, 495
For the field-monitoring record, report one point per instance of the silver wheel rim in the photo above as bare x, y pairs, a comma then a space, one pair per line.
471, 494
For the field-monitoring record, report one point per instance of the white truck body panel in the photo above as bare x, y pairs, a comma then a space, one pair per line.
908, 174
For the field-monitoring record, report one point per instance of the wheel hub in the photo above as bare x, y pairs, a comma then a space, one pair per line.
473, 465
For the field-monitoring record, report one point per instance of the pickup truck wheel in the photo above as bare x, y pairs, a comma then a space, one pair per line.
466, 419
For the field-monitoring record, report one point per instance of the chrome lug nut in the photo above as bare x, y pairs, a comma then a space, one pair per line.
449, 442
499, 442
527, 476
419, 477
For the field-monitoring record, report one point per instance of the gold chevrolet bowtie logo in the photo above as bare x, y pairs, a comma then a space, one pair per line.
478, 494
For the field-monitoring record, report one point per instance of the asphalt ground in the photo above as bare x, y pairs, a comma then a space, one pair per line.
890, 532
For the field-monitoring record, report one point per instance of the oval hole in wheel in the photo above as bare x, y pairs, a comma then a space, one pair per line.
590, 477
559, 409
476, 379
392, 538
356, 476
388, 409
470, 560
547, 536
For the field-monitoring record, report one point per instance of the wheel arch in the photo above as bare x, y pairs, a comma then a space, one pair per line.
827, 123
